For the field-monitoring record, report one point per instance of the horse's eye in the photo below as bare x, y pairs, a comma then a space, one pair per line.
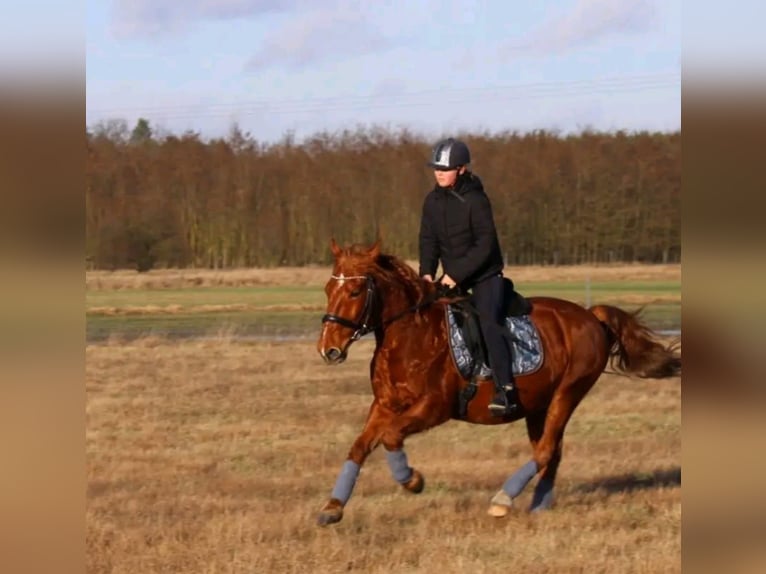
356, 292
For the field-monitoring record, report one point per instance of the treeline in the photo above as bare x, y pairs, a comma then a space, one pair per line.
182, 201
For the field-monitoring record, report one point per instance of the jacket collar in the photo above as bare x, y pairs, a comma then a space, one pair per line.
463, 184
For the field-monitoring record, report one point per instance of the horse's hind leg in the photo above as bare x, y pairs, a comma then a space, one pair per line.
503, 501
547, 451
542, 499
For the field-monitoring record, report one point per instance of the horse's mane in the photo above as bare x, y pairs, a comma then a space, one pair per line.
394, 271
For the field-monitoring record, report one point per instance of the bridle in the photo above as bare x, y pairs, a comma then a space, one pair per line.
362, 326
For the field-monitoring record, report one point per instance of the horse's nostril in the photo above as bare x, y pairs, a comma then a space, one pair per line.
332, 354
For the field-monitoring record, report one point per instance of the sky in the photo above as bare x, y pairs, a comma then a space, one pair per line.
277, 67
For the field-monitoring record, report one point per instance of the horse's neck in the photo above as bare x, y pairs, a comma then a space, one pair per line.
398, 303
401, 316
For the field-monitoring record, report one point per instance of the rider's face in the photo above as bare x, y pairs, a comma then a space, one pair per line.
447, 178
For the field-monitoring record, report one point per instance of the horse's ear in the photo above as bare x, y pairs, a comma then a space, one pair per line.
336, 250
374, 251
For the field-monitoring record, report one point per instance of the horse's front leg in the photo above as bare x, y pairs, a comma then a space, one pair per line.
390, 429
428, 412
410, 479
377, 419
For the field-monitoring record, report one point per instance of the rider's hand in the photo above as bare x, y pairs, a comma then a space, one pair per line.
428, 278
448, 281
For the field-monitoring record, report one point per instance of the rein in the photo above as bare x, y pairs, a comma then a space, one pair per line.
362, 326
411, 309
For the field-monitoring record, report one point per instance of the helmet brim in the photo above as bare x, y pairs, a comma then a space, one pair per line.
439, 167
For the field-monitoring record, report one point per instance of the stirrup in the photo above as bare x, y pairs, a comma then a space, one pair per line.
494, 405
506, 407
504, 410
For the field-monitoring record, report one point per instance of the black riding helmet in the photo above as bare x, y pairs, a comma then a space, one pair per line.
449, 154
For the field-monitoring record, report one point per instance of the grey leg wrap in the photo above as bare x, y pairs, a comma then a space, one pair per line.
397, 462
518, 480
543, 496
344, 485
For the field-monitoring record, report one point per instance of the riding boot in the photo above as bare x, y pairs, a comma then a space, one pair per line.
506, 399
488, 298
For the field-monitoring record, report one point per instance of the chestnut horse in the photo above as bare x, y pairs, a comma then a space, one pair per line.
416, 384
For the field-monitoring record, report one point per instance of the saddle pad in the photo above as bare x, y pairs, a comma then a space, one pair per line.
525, 341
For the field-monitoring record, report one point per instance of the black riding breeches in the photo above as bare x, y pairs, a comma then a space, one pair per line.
488, 299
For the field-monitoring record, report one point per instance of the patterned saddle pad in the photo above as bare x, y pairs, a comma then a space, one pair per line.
525, 341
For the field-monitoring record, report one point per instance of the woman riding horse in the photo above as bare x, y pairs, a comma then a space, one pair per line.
416, 385
457, 228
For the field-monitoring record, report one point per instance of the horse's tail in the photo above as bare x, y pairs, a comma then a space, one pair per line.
634, 348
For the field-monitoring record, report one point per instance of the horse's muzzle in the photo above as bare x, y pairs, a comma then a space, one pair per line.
333, 356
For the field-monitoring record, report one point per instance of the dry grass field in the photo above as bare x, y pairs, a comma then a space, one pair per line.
213, 456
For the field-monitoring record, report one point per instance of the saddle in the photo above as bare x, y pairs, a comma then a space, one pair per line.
467, 343
515, 303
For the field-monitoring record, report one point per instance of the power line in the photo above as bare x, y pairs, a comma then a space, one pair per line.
487, 94
571, 84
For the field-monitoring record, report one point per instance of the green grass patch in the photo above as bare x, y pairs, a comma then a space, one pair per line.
311, 295
578, 290
660, 315
181, 325
197, 296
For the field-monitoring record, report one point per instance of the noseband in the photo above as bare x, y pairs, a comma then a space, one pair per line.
362, 326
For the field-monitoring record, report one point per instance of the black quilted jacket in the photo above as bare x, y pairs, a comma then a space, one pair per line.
457, 227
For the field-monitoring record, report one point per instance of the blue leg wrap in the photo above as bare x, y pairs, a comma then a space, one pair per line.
543, 496
518, 480
344, 485
397, 462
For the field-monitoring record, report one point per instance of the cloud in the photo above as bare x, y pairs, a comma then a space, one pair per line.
318, 36
309, 35
137, 18
587, 22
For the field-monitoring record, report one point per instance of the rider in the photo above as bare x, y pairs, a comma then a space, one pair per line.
457, 228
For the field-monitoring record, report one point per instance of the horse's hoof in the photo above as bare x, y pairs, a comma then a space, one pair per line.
327, 518
331, 513
416, 483
542, 506
543, 497
500, 505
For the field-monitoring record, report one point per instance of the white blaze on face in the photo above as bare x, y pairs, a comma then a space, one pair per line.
340, 279
323, 335
332, 299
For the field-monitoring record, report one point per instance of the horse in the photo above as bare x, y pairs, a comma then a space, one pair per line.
416, 384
